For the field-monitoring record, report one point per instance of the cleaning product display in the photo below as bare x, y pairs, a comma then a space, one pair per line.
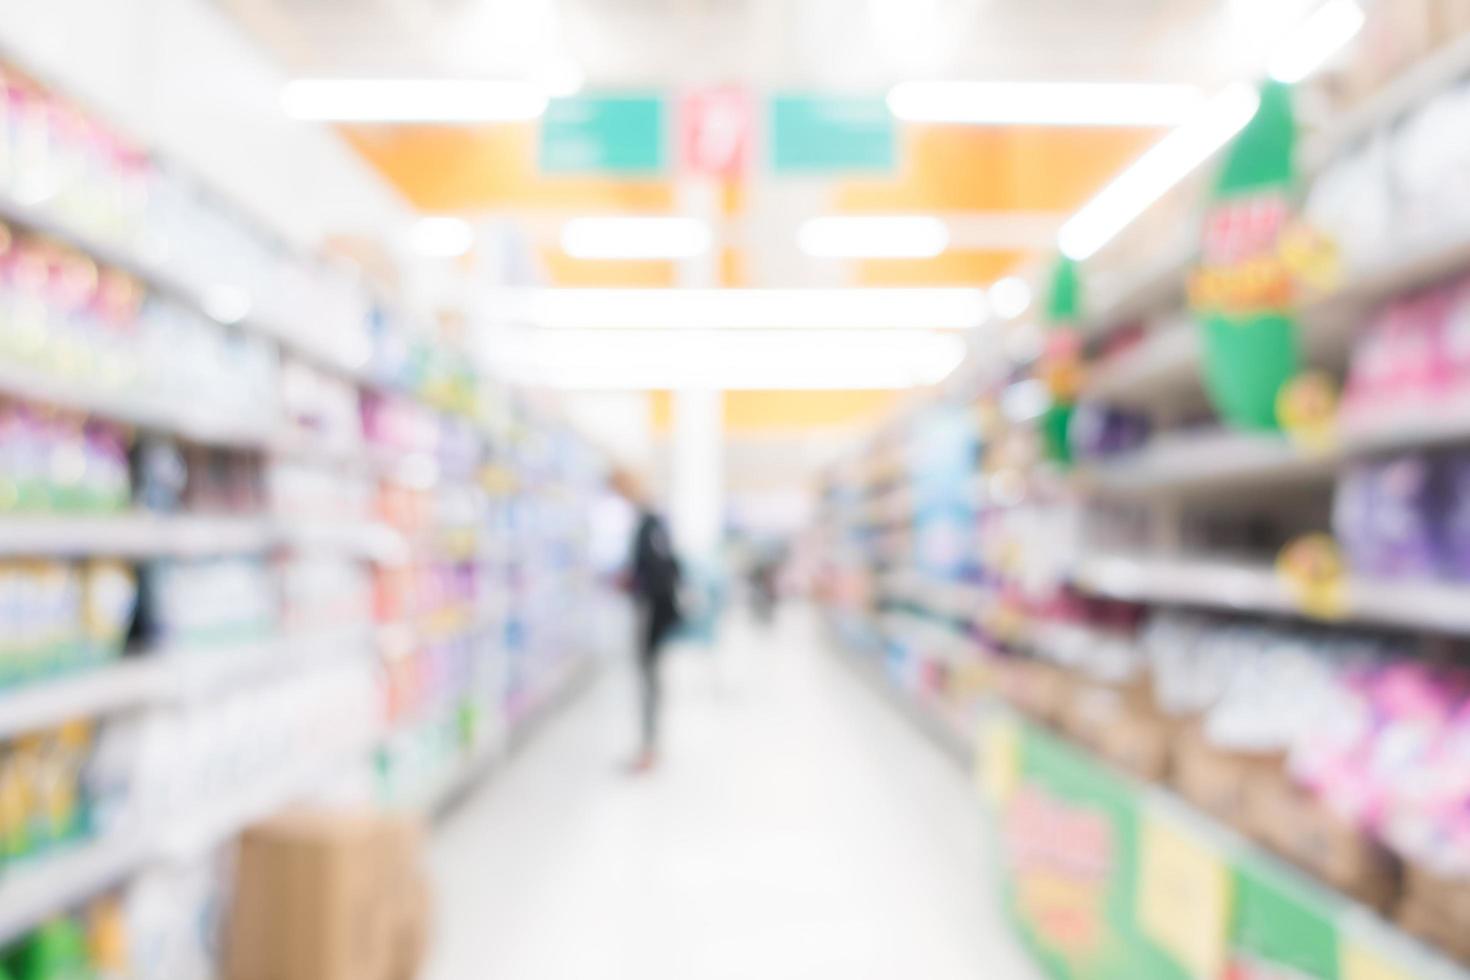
266, 546
1214, 647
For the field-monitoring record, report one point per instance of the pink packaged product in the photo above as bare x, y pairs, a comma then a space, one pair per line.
1394, 363
1387, 722
1428, 812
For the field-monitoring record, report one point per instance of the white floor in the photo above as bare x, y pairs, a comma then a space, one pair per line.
798, 828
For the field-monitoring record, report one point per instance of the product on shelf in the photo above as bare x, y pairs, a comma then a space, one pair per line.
61, 616
43, 802
57, 461
214, 600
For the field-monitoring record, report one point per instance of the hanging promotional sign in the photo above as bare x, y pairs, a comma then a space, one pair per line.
1061, 361
605, 135
823, 135
715, 127
1244, 291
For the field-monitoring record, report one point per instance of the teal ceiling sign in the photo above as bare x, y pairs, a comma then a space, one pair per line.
607, 135
826, 134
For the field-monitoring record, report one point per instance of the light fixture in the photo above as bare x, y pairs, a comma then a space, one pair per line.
226, 303
874, 237
1325, 32
441, 237
680, 309
1155, 173
632, 238
1043, 103
413, 100
1010, 297
727, 360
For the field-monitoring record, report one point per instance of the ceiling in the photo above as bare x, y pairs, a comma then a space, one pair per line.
621, 43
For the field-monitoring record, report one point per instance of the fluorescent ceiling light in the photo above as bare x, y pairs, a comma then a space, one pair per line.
1010, 297
874, 237
1170, 160
1043, 103
1323, 34
561, 78
710, 309
426, 100
443, 238
636, 238
729, 360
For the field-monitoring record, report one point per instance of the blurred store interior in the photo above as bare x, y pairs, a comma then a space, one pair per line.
703, 489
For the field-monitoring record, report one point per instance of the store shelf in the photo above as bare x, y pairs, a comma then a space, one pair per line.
163, 676
131, 535
34, 892
1222, 461
1208, 462
371, 540
28, 383
1413, 88
1155, 286
133, 261
194, 675
86, 693
1245, 587
222, 819
1161, 368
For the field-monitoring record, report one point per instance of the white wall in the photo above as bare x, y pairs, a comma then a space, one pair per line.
184, 80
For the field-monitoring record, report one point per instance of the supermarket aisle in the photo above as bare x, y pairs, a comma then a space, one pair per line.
798, 828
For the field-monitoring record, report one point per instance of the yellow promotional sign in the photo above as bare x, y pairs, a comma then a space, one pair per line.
1307, 410
1184, 897
1313, 570
999, 759
1361, 963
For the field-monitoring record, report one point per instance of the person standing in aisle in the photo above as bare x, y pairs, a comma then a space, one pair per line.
655, 583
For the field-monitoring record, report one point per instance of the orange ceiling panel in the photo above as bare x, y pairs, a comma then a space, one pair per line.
783, 412
451, 168
961, 168
950, 269
563, 270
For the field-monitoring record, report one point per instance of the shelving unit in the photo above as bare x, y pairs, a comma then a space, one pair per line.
1156, 531
420, 525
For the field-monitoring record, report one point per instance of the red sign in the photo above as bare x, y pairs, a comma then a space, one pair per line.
715, 132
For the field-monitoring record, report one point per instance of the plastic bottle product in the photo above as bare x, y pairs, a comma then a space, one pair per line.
108, 946
62, 813
55, 951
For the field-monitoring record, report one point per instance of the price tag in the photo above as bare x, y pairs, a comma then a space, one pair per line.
999, 760
1307, 411
1314, 572
1361, 963
1183, 900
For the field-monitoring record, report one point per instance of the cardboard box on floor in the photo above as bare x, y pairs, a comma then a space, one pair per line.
328, 895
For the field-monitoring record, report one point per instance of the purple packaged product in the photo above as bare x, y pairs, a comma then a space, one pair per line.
1453, 518
1397, 532
1353, 514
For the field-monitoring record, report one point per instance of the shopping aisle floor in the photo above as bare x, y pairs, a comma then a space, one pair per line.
797, 828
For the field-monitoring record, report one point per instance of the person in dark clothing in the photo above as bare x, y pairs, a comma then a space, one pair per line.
655, 582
